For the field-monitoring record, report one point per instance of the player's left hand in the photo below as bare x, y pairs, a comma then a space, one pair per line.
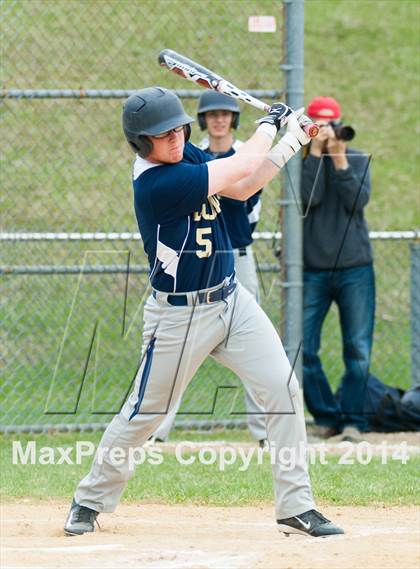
276, 116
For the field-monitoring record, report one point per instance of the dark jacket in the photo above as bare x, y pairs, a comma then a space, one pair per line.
335, 233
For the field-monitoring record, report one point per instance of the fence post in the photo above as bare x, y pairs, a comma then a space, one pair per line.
292, 240
415, 313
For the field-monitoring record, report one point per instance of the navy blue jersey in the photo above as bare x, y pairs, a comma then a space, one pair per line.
183, 231
241, 217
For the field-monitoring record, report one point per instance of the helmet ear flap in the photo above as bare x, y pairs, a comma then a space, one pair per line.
235, 120
187, 132
144, 146
201, 121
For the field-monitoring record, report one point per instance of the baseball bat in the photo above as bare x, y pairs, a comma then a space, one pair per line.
197, 73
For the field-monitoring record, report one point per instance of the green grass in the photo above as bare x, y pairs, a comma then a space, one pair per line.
72, 156
365, 53
392, 484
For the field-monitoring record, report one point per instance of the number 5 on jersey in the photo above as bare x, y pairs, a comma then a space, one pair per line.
206, 243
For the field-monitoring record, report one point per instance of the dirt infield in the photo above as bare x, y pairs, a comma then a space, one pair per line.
167, 537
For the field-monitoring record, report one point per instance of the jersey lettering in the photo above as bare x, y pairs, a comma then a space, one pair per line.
215, 208
201, 240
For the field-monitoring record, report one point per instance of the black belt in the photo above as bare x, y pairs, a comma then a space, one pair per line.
207, 297
242, 251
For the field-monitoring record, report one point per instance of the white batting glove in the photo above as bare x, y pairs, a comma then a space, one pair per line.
294, 127
291, 142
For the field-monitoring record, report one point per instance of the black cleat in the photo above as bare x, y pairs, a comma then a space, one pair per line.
309, 523
80, 520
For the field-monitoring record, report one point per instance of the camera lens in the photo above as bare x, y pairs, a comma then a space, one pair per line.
344, 133
347, 133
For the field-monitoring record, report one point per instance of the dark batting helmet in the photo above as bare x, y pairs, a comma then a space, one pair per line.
214, 101
149, 112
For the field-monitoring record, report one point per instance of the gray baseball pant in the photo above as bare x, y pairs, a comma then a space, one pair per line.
238, 334
246, 273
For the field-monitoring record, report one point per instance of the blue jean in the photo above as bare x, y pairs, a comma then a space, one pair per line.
353, 290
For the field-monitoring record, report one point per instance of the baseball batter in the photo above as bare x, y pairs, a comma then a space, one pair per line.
219, 114
197, 307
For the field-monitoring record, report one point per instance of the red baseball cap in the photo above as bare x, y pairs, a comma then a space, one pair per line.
324, 108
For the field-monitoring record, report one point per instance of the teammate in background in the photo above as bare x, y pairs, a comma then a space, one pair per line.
338, 267
197, 307
219, 114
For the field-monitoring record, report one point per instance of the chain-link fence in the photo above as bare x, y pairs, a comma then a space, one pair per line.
72, 316
65, 161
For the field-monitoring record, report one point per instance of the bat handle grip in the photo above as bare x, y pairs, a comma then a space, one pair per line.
311, 129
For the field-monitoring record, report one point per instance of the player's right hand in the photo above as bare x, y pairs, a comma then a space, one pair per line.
294, 126
276, 116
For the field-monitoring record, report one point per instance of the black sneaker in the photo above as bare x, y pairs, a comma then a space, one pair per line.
80, 520
309, 523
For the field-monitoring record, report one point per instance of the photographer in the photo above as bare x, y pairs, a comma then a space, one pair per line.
338, 267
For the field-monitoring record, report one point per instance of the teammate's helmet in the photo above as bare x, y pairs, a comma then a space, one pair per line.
152, 111
214, 101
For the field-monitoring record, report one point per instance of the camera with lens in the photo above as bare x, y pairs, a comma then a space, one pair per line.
343, 132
